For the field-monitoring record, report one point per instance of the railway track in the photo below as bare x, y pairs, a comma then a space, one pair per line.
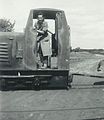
84, 101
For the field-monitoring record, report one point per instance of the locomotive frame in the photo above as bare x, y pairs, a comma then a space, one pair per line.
18, 61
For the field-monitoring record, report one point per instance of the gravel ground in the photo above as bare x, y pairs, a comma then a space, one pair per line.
83, 101
84, 62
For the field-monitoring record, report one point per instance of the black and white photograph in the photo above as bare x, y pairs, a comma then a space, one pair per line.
51, 59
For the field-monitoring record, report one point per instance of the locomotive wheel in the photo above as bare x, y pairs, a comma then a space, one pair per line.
3, 85
70, 79
36, 84
69, 86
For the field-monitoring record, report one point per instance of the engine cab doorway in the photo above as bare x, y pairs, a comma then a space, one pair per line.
59, 40
47, 55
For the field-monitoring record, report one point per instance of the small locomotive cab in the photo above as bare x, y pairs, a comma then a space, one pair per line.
54, 47
49, 46
40, 64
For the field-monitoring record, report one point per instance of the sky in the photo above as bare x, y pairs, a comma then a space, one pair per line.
85, 18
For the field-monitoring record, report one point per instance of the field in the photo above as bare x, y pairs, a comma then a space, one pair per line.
83, 101
85, 62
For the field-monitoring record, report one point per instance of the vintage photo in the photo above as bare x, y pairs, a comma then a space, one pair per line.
51, 60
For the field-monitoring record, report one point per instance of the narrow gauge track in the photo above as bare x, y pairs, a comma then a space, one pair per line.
58, 109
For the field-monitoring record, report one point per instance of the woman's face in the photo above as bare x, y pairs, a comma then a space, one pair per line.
40, 18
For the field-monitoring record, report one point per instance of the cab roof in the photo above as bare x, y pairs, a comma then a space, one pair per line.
49, 13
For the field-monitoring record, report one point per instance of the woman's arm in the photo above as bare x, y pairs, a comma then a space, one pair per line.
40, 31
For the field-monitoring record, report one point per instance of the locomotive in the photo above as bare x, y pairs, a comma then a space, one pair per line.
18, 55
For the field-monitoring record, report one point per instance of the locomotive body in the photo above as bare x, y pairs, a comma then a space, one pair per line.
18, 55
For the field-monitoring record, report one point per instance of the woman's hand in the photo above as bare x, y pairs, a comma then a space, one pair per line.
40, 31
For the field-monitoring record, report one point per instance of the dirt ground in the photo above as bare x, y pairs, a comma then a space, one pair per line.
83, 101
84, 62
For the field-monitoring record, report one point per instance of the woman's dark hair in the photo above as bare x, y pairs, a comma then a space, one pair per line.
40, 13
